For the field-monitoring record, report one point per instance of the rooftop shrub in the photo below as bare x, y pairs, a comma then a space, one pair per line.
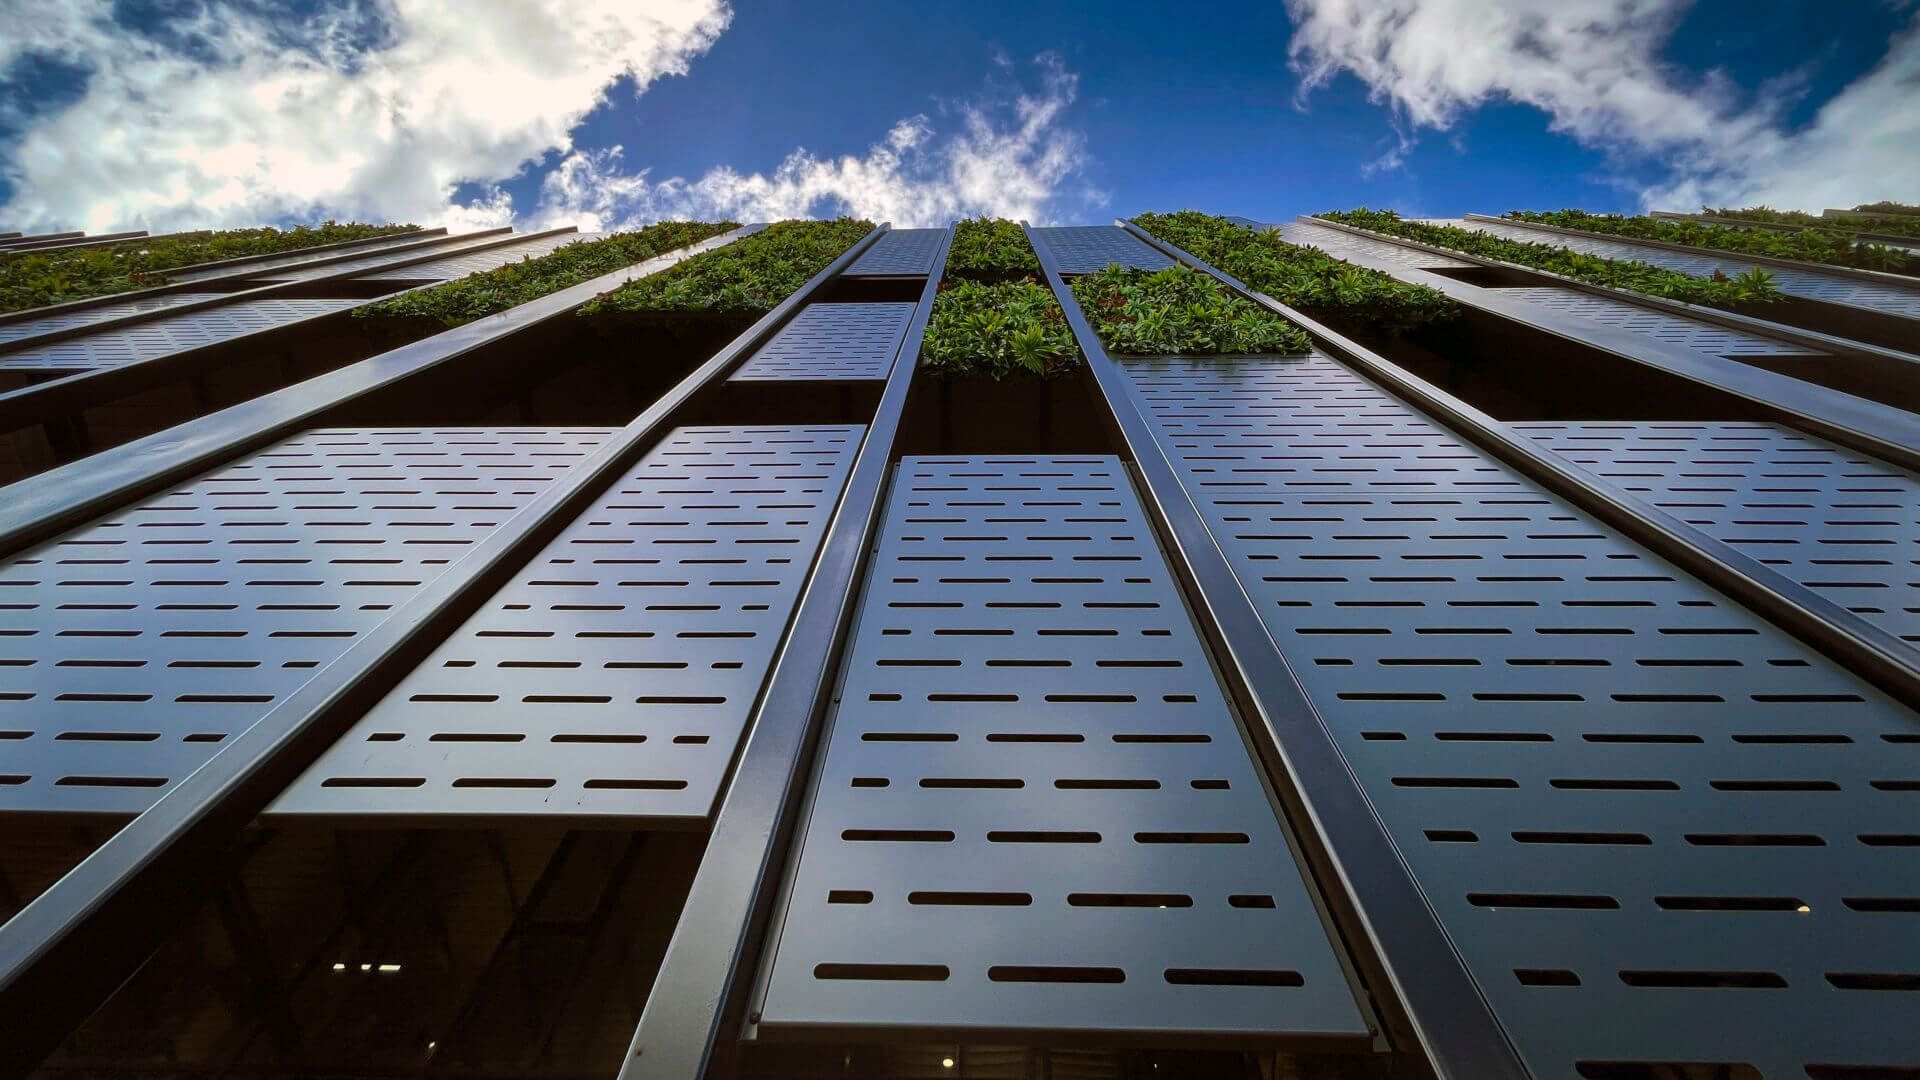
1301, 277
1897, 225
990, 248
1885, 207
31, 279
1753, 287
1180, 311
749, 276
1808, 245
496, 290
999, 330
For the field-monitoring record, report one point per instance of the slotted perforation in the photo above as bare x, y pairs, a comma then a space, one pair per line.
68, 320
612, 678
832, 341
900, 253
1345, 245
1888, 299
132, 647
168, 334
1035, 810
1082, 249
1659, 325
1560, 730
1839, 523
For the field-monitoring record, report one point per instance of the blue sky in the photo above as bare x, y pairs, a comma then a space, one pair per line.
172, 113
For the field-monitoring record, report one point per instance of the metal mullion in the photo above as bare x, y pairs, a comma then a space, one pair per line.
1417, 977
1859, 423
699, 996
40, 506
64, 953
1877, 655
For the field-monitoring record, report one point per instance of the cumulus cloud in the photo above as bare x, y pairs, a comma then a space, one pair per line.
1594, 67
1010, 155
234, 112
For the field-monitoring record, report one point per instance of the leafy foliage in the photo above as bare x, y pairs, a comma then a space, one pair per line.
1753, 287
1807, 245
30, 279
990, 247
1180, 311
1885, 207
1302, 277
1897, 225
479, 295
999, 330
750, 275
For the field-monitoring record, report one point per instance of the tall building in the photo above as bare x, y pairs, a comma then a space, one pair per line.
814, 651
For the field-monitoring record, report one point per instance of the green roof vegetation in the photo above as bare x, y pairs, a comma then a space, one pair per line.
1896, 224
1754, 287
1301, 277
1808, 245
752, 275
31, 279
999, 330
479, 295
1885, 207
1180, 311
990, 247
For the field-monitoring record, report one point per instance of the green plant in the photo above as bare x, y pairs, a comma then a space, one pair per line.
479, 295
990, 247
1718, 291
1834, 248
751, 275
30, 279
1895, 225
999, 330
1885, 207
1179, 311
1302, 277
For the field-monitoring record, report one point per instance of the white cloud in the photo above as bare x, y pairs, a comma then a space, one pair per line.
1594, 67
375, 109
1011, 155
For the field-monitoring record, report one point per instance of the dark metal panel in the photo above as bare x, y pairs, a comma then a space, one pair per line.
1036, 814
457, 266
611, 679
1082, 249
1886, 297
832, 342
1610, 781
901, 253
1837, 522
68, 320
170, 334
133, 647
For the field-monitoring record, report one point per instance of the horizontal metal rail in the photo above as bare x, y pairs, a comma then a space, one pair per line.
38, 507
1894, 239
68, 949
1417, 976
1869, 426
433, 239
70, 394
694, 1012
1853, 273
216, 269
1857, 644
69, 243
16, 240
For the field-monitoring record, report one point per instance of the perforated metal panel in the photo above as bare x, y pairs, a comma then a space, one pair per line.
1082, 249
1813, 285
1659, 325
1657, 829
832, 341
1840, 523
262, 267
88, 316
613, 677
1345, 245
131, 648
1035, 812
457, 266
900, 253
378, 259
169, 334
